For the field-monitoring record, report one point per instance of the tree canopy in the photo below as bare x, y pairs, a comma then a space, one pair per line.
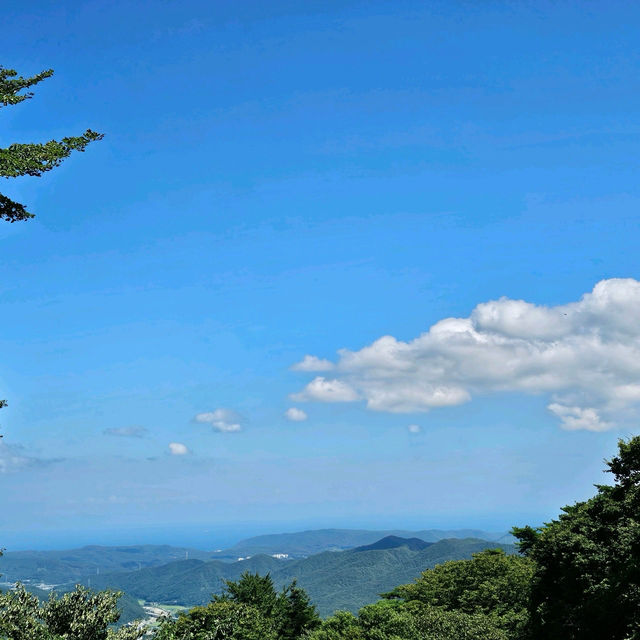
219, 621
31, 159
78, 615
387, 620
492, 584
248, 609
586, 583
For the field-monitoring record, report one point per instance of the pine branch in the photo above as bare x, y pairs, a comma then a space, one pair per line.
30, 159
12, 212
11, 84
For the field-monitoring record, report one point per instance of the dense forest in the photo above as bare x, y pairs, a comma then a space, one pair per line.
576, 578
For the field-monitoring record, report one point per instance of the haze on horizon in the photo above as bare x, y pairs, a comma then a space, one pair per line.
338, 264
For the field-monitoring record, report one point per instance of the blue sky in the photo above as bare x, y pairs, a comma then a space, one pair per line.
287, 179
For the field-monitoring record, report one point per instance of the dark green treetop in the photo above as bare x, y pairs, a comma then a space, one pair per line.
251, 589
387, 620
492, 584
248, 609
586, 585
297, 614
31, 159
290, 610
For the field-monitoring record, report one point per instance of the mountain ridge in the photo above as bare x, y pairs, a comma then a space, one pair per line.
54, 567
334, 580
393, 542
311, 541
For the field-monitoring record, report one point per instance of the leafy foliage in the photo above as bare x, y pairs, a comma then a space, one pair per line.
491, 583
297, 614
247, 609
31, 159
252, 589
19, 616
219, 621
78, 615
342, 625
434, 623
407, 621
587, 579
11, 85
290, 610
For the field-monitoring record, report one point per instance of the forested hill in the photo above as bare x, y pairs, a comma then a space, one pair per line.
56, 567
334, 580
393, 542
306, 543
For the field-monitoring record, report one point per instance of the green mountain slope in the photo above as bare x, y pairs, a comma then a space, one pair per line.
334, 580
188, 582
57, 567
351, 579
393, 542
130, 610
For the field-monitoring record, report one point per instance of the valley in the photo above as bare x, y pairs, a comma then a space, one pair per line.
349, 568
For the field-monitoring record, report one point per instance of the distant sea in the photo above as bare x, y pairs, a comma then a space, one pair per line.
203, 537
209, 537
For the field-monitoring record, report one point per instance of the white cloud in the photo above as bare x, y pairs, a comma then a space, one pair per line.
323, 390
178, 449
414, 428
223, 420
312, 363
126, 432
584, 355
574, 418
295, 415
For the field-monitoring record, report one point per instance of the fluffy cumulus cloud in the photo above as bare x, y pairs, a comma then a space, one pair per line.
585, 356
126, 432
295, 415
178, 449
223, 420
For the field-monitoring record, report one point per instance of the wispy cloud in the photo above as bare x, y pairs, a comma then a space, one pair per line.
312, 363
126, 432
223, 420
14, 457
585, 355
414, 428
295, 415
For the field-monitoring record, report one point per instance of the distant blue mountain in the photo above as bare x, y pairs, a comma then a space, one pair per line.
305, 543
